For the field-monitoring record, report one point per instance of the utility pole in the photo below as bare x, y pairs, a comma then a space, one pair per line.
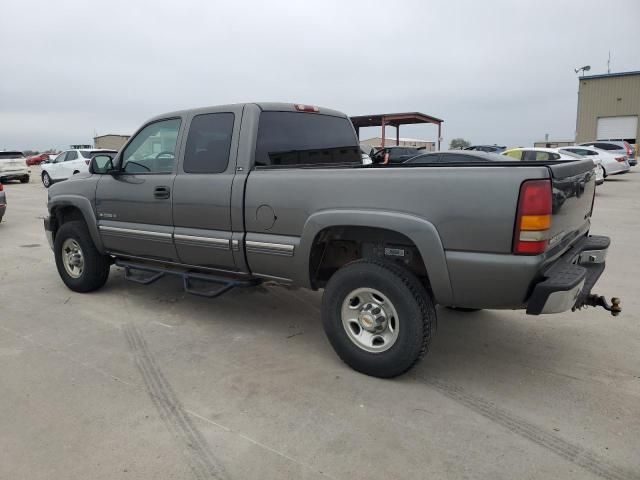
609, 63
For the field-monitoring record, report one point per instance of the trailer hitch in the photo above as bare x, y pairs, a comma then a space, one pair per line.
599, 301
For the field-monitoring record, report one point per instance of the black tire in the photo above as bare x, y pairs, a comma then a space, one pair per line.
46, 180
24, 179
412, 302
96, 266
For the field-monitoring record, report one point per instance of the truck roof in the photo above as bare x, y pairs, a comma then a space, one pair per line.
264, 106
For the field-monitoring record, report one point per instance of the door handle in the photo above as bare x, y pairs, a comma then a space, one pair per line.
161, 192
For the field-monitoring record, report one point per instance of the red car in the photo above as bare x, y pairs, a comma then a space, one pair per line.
38, 159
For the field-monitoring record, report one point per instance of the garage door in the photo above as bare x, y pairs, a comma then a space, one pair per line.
616, 128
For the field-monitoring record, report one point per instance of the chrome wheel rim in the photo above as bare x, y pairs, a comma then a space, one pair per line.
72, 258
370, 320
45, 180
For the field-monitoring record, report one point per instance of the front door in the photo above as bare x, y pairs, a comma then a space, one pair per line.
134, 205
202, 191
54, 168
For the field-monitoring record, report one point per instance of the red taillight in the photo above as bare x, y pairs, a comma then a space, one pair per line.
533, 219
1, 187
621, 159
306, 108
628, 148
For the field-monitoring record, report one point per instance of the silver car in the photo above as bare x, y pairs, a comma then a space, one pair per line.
616, 147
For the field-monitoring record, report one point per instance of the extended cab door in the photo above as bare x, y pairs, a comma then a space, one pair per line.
133, 205
202, 190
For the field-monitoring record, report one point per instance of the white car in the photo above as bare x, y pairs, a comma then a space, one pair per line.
559, 154
613, 164
67, 164
13, 166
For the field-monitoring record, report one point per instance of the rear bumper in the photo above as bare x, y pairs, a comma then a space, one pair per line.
14, 174
618, 167
570, 279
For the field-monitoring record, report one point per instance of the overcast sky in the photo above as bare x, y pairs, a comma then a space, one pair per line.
496, 72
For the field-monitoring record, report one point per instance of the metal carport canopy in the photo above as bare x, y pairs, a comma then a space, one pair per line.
395, 120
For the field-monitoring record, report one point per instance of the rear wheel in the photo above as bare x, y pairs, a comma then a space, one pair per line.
378, 317
46, 180
24, 179
80, 265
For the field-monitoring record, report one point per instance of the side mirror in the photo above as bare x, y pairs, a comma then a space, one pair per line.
101, 164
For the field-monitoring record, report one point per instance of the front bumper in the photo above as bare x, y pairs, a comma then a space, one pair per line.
568, 282
48, 231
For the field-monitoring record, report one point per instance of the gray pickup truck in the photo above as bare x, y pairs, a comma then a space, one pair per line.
232, 195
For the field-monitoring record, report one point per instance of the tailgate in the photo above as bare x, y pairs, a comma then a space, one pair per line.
574, 185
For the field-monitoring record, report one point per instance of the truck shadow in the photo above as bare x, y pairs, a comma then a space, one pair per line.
466, 344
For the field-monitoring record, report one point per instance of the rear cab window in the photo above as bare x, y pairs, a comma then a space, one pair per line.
305, 139
209, 143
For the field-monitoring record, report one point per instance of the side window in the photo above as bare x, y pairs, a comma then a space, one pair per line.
296, 138
517, 154
208, 143
60, 158
153, 150
542, 156
71, 155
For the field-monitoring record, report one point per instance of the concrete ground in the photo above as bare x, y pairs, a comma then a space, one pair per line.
146, 382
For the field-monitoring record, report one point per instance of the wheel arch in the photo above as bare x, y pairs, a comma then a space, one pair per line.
65, 208
421, 233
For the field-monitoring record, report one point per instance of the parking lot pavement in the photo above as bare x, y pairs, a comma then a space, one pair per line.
147, 382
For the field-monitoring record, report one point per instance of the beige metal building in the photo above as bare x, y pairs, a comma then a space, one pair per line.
609, 107
553, 143
376, 142
112, 142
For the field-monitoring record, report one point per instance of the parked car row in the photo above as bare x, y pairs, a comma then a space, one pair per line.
40, 158
69, 163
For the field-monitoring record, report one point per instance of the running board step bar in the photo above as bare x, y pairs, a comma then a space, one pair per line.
154, 273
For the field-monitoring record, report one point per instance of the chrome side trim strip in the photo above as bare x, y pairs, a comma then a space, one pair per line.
131, 231
235, 245
271, 248
208, 241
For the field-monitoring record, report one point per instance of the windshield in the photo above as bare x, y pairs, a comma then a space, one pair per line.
6, 155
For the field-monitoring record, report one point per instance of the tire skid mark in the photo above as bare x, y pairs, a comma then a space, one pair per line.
194, 447
576, 454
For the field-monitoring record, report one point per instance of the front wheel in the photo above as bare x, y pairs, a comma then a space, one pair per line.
378, 317
46, 180
80, 265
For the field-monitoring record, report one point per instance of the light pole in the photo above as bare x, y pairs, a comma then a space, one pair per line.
583, 69
586, 68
